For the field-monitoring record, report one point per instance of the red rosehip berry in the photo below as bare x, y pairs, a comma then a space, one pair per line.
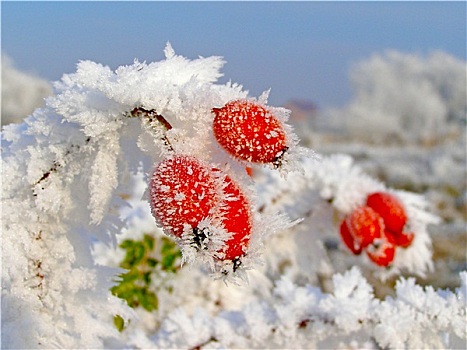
382, 250
402, 239
182, 191
365, 225
236, 219
250, 132
348, 239
391, 210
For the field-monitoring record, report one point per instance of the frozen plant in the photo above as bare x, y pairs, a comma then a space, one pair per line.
21, 92
405, 98
337, 201
119, 159
305, 317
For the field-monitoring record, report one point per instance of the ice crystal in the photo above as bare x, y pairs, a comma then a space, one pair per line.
75, 177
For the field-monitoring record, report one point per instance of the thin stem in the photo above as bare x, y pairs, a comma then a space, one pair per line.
152, 117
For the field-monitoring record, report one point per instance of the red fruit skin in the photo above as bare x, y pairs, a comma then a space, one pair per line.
403, 239
237, 220
390, 208
348, 239
248, 131
382, 251
389, 236
182, 191
365, 225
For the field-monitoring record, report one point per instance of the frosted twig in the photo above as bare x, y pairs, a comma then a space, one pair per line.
154, 120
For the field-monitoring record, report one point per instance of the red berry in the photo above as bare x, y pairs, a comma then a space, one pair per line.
250, 132
182, 191
382, 251
402, 239
236, 218
365, 225
348, 239
390, 208
389, 236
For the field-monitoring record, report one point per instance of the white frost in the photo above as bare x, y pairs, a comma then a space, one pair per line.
74, 174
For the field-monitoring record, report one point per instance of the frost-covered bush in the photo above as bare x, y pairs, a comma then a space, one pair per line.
406, 98
305, 317
21, 92
80, 244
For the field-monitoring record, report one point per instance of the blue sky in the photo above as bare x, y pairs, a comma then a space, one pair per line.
300, 50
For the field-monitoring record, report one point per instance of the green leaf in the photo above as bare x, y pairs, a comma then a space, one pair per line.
130, 276
140, 251
149, 241
119, 322
135, 252
134, 285
168, 246
149, 301
127, 244
152, 262
168, 261
147, 277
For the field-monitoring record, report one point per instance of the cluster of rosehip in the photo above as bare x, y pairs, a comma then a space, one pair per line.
377, 227
199, 204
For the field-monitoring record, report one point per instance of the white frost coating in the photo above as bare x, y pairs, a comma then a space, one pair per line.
62, 171
351, 301
104, 178
343, 183
323, 194
169, 51
304, 317
73, 177
417, 316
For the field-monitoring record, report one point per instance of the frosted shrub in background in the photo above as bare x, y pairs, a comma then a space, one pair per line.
74, 199
21, 93
406, 98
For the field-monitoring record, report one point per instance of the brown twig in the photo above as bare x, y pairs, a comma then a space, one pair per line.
199, 346
152, 117
56, 165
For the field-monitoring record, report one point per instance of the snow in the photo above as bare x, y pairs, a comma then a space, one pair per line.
75, 176
404, 98
304, 315
22, 93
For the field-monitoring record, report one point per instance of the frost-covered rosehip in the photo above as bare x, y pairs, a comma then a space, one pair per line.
236, 219
248, 131
390, 208
182, 191
402, 239
348, 239
382, 250
365, 225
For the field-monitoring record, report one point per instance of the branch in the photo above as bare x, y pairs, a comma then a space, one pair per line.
154, 120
